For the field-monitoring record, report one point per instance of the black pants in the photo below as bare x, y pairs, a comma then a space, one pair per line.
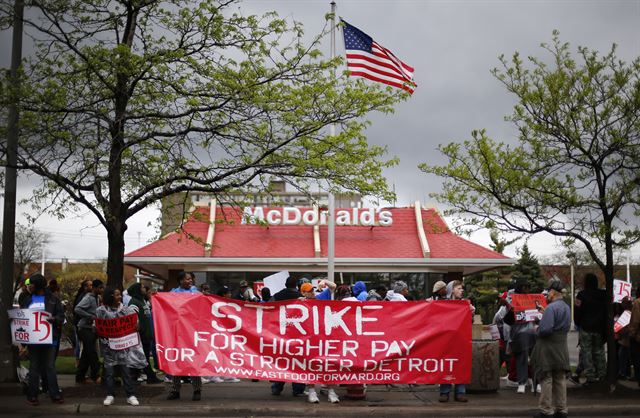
89, 356
127, 380
635, 358
42, 360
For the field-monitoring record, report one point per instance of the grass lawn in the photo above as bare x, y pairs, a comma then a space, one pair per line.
64, 364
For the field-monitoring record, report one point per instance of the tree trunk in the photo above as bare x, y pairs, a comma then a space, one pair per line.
115, 258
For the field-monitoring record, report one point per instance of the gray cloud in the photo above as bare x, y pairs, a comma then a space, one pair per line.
453, 45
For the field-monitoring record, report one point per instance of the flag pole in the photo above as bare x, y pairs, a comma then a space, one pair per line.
332, 131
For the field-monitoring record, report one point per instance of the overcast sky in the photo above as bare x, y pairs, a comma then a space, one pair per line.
452, 45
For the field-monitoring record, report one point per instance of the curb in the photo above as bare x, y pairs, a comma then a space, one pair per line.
310, 410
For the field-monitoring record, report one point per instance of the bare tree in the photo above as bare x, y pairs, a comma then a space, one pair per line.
29, 244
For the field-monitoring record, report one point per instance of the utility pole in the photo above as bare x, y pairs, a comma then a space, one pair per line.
7, 359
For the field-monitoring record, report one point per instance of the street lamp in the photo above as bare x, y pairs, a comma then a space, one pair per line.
7, 361
572, 261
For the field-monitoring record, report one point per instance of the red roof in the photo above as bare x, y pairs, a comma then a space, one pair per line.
189, 242
234, 239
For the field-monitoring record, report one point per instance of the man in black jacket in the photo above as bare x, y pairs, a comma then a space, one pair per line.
591, 316
42, 356
290, 292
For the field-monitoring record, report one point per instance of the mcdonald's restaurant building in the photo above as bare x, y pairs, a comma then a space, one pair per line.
223, 245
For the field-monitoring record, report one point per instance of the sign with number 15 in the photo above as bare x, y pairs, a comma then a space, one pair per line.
621, 289
30, 326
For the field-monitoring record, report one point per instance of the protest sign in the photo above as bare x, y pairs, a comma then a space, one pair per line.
311, 341
622, 321
276, 281
30, 326
494, 331
525, 306
121, 331
257, 288
621, 289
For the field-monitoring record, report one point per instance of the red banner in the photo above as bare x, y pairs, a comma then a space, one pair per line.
311, 341
117, 327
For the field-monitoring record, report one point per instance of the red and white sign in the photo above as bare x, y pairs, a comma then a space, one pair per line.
621, 290
525, 306
122, 331
30, 326
257, 288
311, 341
622, 321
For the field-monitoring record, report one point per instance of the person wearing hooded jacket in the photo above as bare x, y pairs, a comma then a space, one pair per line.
359, 291
591, 316
124, 360
138, 303
398, 293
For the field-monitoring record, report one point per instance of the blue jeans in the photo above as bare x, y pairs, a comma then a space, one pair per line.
445, 389
42, 359
277, 387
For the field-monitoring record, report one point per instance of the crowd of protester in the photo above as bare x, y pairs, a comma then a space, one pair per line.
534, 353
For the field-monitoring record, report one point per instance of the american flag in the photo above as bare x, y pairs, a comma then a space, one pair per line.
367, 58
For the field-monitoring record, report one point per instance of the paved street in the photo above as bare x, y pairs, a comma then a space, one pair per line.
254, 399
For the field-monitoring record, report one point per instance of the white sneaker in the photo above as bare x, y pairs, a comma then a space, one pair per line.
538, 388
313, 397
216, 379
333, 396
231, 380
142, 378
132, 400
521, 389
108, 400
511, 383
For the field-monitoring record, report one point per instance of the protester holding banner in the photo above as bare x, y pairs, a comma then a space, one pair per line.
143, 309
455, 291
522, 338
377, 294
591, 316
265, 294
185, 281
42, 356
439, 291
289, 292
148, 294
551, 354
86, 311
623, 309
245, 292
398, 292
307, 291
326, 287
223, 292
503, 331
634, 335
359, 291
125, 359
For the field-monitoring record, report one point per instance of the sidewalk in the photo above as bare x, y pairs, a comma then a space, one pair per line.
254, 399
